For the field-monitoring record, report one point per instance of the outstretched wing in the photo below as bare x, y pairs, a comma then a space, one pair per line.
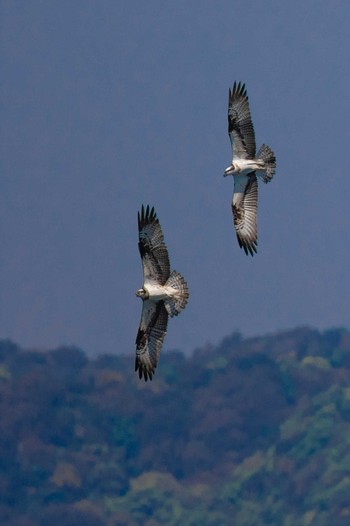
240, 126
244, 209
153, 251
150, 336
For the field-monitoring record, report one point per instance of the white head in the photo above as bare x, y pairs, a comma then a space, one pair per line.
230, 170
142, 293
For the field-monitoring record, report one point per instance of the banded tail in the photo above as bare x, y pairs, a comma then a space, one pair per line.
266, 154
178, 299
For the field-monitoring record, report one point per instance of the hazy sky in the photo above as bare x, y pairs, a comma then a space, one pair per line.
113, 103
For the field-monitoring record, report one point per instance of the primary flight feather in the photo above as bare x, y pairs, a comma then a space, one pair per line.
164, 293
245, 167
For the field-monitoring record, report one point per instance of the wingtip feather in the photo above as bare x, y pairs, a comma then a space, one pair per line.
238, 90
146, 214
249, 248
142, 370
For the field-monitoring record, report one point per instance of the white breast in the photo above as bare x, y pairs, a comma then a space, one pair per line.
246, 165
156, 292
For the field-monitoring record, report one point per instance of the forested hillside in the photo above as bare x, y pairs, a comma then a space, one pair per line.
251, 432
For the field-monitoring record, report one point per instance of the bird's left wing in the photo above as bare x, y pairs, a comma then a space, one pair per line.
153, 251
150, 337
240, 126
244, 209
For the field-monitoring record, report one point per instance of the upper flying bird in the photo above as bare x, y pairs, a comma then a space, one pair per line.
164, 293
245, 167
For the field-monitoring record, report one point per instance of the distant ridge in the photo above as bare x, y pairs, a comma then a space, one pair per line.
253, 429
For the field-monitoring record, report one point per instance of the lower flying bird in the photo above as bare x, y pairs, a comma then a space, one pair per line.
164, 293
245, 167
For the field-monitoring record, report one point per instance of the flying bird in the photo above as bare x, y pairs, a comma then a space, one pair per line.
164, 293
245, 167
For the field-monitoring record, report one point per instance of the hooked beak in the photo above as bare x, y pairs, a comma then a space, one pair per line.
229, 170
143, 294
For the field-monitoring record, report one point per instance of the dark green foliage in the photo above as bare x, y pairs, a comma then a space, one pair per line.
252, 432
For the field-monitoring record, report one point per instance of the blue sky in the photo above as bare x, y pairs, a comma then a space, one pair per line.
107, 105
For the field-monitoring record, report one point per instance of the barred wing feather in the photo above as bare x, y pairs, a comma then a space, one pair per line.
150, 336
153, 251
244, 209
240, 126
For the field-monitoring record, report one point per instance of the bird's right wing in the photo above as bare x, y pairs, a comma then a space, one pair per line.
153, 251
244, 209
150, 337
240, 126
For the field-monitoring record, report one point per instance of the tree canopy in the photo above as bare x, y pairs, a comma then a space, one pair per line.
252, 431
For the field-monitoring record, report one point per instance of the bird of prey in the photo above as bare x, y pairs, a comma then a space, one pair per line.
164, 293
245, 167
